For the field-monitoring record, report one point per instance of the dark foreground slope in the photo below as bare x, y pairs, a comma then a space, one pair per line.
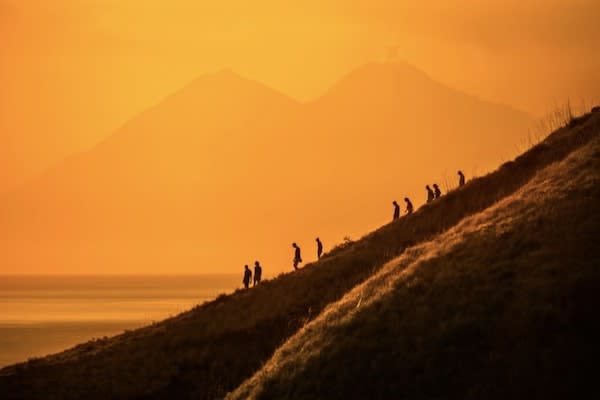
502, 306
212, 349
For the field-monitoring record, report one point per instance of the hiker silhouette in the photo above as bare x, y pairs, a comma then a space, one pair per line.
461, 179
396, 210
257, 273
297, 256
437, 191
409, 206
247, 276
319, 248
430, 194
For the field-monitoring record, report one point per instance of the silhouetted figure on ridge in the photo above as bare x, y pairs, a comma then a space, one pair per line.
247, 276
319, 248
430, 194
396, 210
257, 273
437, 191
409, 206
297, 256
461, 179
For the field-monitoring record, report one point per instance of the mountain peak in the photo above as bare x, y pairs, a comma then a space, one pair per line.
223, 73
227, 85
374, 69
377, 80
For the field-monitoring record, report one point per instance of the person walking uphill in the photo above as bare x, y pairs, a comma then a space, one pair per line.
409, 206
437, 191
257, 273
297, 256
247, 276
319, 248
430, 194
461, 179
396, 210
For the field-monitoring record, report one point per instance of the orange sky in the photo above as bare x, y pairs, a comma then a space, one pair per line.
71, 72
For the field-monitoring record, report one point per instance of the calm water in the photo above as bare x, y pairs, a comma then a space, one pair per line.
42, 315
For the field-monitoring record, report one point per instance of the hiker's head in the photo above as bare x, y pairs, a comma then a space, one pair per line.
317, 239
394, 203
256, 263
406, 199
246, 266
294, 244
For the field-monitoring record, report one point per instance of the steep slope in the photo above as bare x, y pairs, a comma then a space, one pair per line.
503, 305
171, 186
210, 350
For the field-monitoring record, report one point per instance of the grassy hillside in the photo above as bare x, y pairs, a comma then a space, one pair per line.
503, 305
212, 349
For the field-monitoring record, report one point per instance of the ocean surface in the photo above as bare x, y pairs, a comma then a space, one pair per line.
40, 315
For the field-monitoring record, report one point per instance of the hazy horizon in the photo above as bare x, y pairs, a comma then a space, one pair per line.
46, 314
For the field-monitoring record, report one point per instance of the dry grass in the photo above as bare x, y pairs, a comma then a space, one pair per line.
562, 116
500, 306
209, 350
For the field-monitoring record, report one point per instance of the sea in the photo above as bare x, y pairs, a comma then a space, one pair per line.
41, 315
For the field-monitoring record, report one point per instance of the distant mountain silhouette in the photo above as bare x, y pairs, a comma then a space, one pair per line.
227, 168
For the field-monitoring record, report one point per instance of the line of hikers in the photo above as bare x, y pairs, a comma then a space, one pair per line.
248, 275
296, 261
432, 194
